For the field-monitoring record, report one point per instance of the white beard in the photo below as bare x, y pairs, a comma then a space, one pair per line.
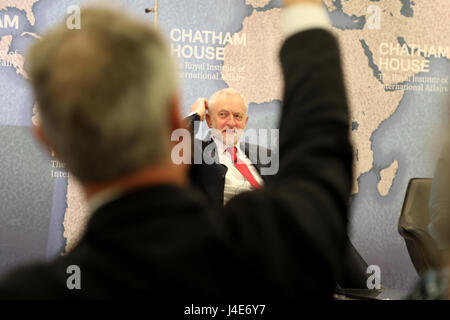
232, 137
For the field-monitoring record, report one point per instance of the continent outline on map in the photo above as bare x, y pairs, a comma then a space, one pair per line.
257, 3
14, 58
391, 19
370, 102
23, 5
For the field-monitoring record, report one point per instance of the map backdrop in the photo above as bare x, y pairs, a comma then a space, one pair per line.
396, 63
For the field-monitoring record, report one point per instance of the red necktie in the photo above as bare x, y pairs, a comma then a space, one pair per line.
242, 168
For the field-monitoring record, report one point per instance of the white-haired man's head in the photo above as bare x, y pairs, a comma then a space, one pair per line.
227, 115
105, 94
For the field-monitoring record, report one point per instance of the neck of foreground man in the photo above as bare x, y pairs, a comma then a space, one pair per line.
164, 173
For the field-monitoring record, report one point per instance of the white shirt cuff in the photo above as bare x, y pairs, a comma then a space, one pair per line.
191, 113
304, 16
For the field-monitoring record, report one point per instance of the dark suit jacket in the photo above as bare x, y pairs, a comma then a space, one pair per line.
284, 241
208, 177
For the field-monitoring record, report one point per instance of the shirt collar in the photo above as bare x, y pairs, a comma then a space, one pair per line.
222, 149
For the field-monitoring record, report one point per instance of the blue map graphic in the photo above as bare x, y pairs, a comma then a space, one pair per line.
33, 203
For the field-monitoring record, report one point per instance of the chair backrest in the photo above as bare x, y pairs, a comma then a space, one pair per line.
413, 223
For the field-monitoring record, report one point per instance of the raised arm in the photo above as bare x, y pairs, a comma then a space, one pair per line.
296, 225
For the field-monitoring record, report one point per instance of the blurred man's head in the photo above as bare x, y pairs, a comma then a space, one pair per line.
228, 114
105, 94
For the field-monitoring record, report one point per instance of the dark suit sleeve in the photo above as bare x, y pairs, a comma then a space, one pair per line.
293, 230
189, 123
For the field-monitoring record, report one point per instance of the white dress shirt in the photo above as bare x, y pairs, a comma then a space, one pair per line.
235, 182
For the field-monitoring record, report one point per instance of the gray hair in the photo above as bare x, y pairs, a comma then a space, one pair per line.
104, 93
229, 92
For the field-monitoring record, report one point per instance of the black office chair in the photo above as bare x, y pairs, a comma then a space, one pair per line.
413, 226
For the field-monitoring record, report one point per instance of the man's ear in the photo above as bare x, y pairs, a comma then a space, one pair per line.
246, 121
40, 136
208, 120
176, 122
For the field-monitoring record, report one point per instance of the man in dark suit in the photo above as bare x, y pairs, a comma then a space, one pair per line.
101, 90
218, 176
